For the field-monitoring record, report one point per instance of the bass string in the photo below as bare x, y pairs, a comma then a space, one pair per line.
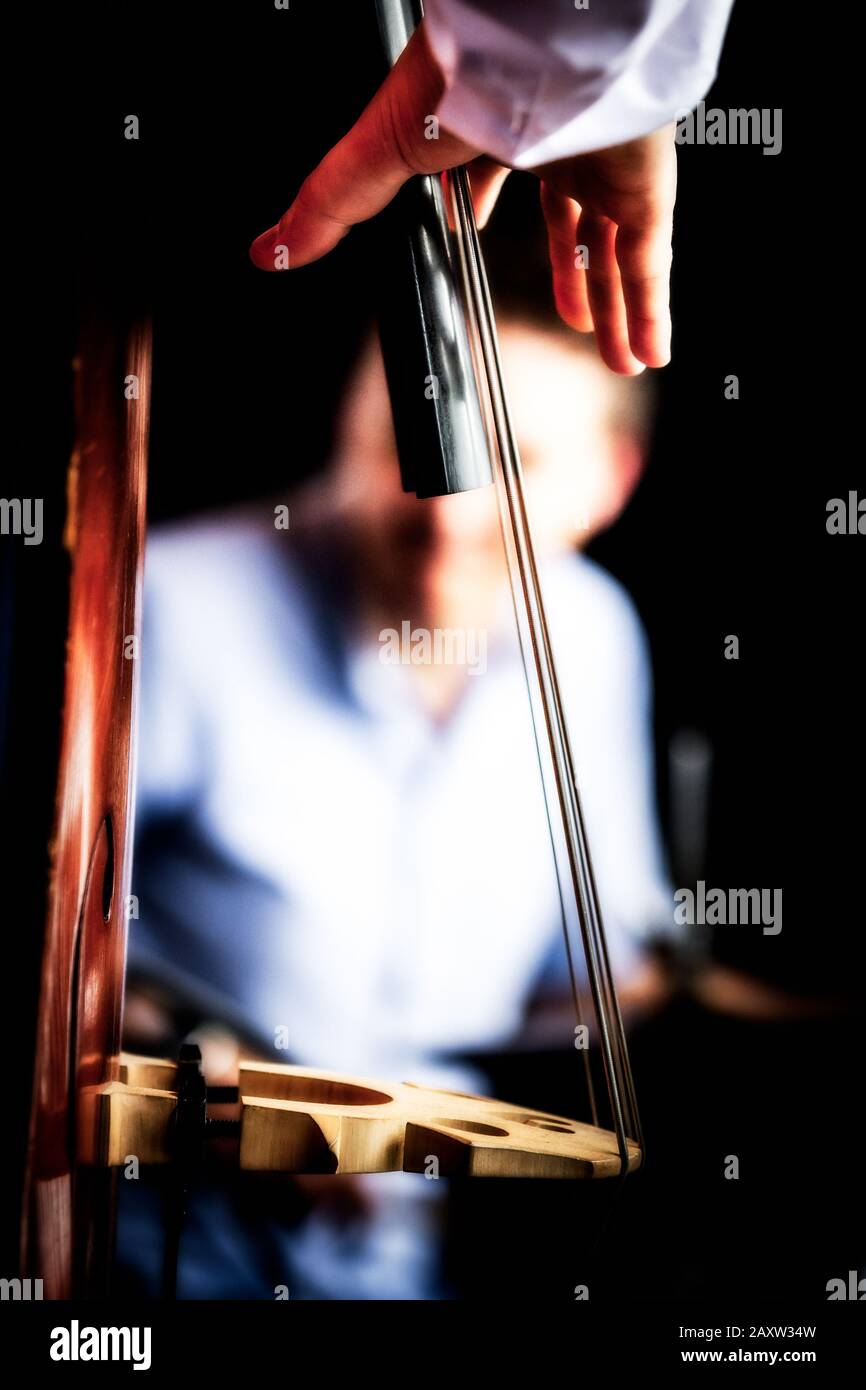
578, 891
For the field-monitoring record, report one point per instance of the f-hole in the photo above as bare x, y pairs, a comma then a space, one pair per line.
108, 869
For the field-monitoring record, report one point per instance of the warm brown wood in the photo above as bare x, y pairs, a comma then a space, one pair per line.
79, 1018
146, 1071
295, 1120
117, 1122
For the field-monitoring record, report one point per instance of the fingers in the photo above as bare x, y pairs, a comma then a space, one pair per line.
618, 204
605, 292
566, 259
645, 180
643, 254
608, 279
393, 139
486, 178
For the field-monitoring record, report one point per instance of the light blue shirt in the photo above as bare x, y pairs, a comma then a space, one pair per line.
320, 862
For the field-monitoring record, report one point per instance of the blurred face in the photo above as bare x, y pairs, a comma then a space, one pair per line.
579, 472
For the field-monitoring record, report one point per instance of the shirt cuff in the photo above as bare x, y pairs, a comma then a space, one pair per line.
547, 85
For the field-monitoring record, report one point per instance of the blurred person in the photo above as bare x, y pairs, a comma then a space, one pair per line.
354, 849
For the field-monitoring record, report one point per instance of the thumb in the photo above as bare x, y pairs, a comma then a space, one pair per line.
393, 139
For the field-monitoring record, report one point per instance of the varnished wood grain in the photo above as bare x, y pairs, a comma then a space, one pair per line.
79, 1017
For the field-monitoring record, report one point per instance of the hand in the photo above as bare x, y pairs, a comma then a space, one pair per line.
617, 202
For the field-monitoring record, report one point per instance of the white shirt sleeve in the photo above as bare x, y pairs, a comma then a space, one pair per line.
532, 82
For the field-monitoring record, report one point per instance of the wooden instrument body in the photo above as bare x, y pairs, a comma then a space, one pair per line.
67, 1233
299, 1120
93, 1107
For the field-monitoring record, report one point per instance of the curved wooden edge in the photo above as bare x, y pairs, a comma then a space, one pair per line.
299, 1119
66, 1224
303, 1120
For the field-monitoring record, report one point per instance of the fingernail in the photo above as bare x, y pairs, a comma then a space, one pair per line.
270, 251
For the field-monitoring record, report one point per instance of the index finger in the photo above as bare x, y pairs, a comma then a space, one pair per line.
391, 140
